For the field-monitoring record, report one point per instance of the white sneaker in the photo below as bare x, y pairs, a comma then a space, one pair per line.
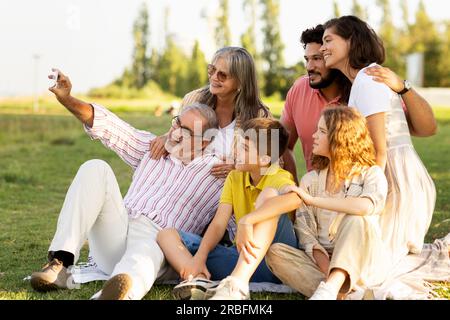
231, 288
324, 292
194, 289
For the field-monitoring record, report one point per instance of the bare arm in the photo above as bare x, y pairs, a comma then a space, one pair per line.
420, 116
273, 207
126, 141
80, 109
359, 206
376, 125
351, 205
215, 231
288, 156
421, 120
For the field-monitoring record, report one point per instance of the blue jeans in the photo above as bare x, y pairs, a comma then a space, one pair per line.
222, 260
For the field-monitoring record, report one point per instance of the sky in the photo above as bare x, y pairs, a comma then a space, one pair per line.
91, 40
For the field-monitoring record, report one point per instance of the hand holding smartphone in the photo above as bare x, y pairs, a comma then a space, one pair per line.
54, 77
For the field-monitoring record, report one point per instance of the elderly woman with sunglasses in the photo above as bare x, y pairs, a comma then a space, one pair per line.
234, 95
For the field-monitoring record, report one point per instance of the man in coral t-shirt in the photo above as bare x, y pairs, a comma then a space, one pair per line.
323, 87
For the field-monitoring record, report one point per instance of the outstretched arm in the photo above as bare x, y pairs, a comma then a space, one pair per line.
421, 120
80, 109
360, 206
129, 143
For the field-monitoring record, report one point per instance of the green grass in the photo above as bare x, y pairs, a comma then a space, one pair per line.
40, 154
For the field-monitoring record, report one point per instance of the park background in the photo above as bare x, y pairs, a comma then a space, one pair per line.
139, 58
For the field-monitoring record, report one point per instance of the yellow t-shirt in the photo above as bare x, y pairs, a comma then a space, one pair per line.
241, 193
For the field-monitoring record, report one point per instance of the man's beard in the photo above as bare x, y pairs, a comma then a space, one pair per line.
325, 82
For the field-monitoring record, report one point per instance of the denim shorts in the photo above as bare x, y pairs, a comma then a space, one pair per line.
222, 260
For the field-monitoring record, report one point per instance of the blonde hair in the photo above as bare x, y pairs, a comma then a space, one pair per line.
351, 148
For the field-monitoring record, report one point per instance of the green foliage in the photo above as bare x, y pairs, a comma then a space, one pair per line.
391, 36
177, 72
444, 65
248, 40
197, 74
115, 91
288, 76
140, 72
421, 36
425, 38
273, 47
222, 33
173, 69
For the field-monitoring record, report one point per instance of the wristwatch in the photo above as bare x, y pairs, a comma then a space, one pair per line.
407, 85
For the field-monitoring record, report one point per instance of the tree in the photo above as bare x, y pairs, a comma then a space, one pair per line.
390, 36
336, 10
153, 63
405, 12
173, 64
358, 10
172, 69
273, 47
445, 62
197, 74
223, 34
288, 77
425, 38
140, 72
248, 39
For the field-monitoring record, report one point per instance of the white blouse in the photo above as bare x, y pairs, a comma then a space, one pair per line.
223, 140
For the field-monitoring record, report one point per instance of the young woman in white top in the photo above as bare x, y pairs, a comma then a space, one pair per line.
350, 45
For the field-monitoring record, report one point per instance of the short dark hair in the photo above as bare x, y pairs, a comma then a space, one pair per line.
365, 45
312, 35
269, 125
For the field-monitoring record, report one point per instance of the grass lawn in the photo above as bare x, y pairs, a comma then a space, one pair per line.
40, 154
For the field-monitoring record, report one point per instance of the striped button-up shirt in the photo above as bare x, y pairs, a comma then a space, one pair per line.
170, 193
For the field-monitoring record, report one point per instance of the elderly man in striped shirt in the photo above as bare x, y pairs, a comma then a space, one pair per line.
177, 191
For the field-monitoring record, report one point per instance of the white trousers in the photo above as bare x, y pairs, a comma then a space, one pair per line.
93, 209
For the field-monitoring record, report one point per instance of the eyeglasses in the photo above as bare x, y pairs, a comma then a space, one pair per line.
176, 124
221, 76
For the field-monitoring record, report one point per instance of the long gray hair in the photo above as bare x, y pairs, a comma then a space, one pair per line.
248, 103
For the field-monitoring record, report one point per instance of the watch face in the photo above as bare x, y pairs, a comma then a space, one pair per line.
407, 85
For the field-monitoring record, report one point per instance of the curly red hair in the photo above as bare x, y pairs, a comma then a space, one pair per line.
351, 148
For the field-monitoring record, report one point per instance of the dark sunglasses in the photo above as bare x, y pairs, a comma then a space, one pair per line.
221, 76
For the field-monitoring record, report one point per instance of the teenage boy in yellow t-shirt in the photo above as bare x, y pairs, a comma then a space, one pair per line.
257, 178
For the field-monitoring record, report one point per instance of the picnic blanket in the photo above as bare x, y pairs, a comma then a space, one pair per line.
88, 271
412, 277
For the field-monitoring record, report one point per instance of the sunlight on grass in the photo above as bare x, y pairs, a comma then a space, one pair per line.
40, 154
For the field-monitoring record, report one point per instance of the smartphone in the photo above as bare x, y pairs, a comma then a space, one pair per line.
54, 81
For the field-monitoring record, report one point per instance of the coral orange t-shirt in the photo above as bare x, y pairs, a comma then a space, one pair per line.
302, 109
